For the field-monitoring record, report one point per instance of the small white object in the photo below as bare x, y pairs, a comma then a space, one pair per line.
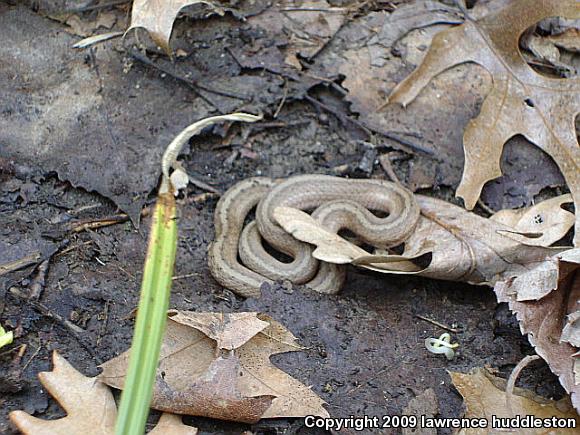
441, 345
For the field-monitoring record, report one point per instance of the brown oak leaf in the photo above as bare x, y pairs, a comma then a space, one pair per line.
157, 17
89, 404
541, 299
484, 396
218, 365
521, 102
456, 244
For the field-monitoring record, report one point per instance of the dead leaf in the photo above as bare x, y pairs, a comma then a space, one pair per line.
542, 320
241, 385
568, 40
89, 404
425, 404
308, 26
170, 424
541, 225
229, 330
157, 17
462, 245
571, 331
484, 396
521, 101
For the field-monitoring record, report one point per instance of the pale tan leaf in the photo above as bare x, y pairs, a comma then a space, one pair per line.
330, 246
462, 245
540, 225
571, 331
484, 396
568, 40
242, 385
157, 17
229, 330
544, 319
89, 404
521, 101
170, 424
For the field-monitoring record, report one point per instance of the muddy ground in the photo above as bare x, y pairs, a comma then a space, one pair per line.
364, 347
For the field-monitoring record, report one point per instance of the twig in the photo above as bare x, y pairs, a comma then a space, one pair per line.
203, 186
409, 146
91, 224
439, 324
485, 207
37, 285
103, 328
31, 358
45, 311
385, 161
187, 275
284, 95
193, 84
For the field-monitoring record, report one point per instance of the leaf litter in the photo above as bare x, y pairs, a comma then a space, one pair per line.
484, 396
89, 404
520, 230
521, 101
213, 367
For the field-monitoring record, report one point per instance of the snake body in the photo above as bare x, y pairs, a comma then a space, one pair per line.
338, 204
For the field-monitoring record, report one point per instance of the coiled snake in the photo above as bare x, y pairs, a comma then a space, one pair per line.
337, 203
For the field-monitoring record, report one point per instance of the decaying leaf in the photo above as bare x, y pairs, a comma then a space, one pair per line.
425, 404
462, 245
555, 284
157, 17
521, 102
571, 331
240, 384
484, 396
541, 225
308, 25
170, 424
89, 404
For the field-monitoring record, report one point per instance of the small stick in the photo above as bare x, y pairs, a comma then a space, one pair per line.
282, 101
45, 311
75, 331
385, 161
410, 146
439, 324
38, 283
30, 359
485, 207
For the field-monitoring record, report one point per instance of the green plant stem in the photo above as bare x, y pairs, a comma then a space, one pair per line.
151, 319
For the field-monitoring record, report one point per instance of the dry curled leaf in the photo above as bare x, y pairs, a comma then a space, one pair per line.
241, 384
89, 404
541, 299
157, 17
462, 245
521, 102
541, 225
484, 396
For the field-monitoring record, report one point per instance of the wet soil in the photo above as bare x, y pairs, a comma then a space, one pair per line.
364, 347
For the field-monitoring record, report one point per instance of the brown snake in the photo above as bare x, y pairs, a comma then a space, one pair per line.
338, 204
